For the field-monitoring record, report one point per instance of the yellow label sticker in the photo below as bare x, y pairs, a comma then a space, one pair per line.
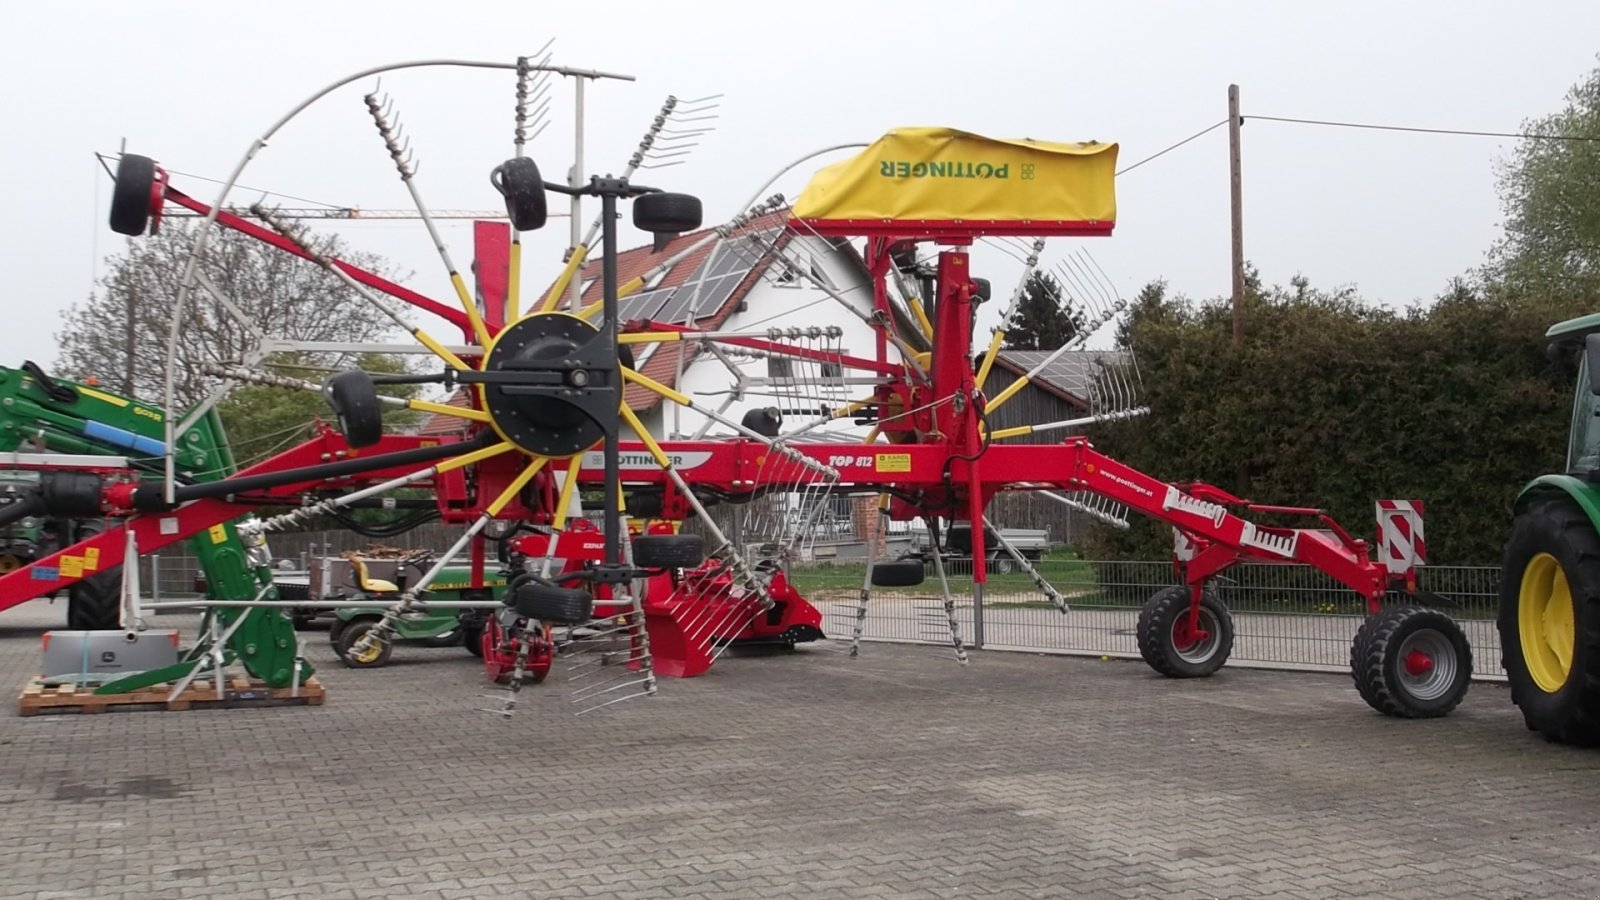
91, 559
894, 462
102, 396
71, 567
219, 533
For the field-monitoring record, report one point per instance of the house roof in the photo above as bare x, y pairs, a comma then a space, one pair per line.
1069, 376
700, 290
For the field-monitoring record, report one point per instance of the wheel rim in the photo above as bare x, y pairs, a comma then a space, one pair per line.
1427, 664
1545, 622
370, 655
1186, 645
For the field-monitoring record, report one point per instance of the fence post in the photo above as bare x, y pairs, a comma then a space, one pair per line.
155, 577
977, 616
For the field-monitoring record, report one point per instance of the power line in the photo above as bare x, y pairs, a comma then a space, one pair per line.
105, 164
1420, 130
1158, 155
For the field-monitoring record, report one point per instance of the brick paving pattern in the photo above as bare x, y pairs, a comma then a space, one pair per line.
898, 774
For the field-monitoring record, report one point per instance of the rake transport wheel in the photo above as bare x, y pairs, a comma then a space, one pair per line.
1411, 663
1171, 646
1550, 621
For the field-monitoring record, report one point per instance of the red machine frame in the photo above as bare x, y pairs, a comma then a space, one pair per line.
937, 460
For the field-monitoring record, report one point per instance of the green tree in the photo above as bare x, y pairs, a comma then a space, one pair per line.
1336, 403
261, 421
1550, 193
120, 334
1042, 320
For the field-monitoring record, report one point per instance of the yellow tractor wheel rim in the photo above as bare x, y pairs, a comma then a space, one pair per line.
1545, 623
9, 563
370, 655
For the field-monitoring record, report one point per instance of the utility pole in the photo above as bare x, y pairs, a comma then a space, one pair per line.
1237, 207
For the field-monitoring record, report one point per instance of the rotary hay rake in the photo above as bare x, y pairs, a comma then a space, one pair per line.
547, 419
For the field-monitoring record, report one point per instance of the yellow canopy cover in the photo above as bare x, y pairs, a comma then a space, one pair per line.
941, 174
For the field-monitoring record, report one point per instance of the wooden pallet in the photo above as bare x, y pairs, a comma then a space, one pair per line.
238, 691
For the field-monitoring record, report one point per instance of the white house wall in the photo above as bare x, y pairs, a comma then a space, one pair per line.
770, 305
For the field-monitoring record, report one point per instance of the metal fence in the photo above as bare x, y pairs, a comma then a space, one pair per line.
1284, 616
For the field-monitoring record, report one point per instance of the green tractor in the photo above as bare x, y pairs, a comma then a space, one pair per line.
1550, 580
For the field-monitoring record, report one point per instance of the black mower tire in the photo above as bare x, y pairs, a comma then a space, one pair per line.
1158, 644
1568, 712
898, 573
472, 638
666, 213
668, 551
1378, 663
130, 194
350, 634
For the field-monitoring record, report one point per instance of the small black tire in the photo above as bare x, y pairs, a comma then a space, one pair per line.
131, 194
375, 658
644, 504
95, 603
354, 400
1565, 708
552, 604
1002, 564
898, 573
664, 213
1162, 633
668, 551
519, 182
1382, 655
472, 638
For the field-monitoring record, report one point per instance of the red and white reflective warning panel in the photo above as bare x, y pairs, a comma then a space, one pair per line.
1400, 542
1183, 549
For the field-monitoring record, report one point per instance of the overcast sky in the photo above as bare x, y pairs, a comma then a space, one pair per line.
1396, 215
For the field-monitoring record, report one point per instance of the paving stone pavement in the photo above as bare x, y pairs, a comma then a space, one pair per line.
897, 774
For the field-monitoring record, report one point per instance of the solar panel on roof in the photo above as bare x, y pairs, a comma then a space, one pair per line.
708, 288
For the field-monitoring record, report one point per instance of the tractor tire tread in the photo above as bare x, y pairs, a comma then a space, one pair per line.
1575, 718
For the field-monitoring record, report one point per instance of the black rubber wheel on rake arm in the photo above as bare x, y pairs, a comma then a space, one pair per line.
1411, 663
354, 400
668, 551
1549, 620
130, 196
898, 573
1168, 645
664, 213
552, 604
